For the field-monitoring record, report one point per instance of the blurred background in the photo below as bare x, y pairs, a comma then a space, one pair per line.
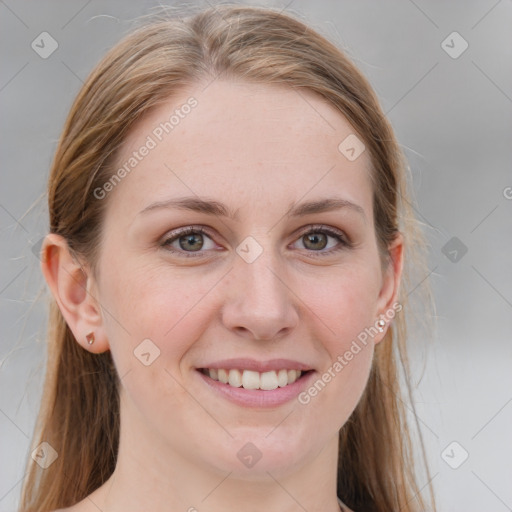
443, 73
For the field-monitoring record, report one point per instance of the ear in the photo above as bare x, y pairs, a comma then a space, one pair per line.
387, 305
73, 288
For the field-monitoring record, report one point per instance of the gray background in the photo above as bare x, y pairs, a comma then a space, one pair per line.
453, 118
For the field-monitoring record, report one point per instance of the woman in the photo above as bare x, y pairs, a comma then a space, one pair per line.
229, 222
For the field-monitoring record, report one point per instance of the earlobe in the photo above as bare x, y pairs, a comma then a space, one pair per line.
387, 304
71, 284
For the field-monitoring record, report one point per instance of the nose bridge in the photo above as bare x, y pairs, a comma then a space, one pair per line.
263, 279
261, 302
264, 287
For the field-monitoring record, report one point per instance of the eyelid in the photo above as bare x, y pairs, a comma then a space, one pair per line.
177, 233
343, 239
341, 236
314, 228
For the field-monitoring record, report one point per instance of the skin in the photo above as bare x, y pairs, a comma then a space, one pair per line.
256, 148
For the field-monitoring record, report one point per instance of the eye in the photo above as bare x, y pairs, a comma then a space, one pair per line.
188, 240
316, 239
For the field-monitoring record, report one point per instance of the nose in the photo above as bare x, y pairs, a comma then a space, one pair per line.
260, 302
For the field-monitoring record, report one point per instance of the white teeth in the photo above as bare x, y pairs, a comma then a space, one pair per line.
235, 378
268, 381
282, 378
249, 379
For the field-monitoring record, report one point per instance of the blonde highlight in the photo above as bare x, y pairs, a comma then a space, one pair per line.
79, 416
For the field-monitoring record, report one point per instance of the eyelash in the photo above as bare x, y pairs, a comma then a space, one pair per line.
344, 243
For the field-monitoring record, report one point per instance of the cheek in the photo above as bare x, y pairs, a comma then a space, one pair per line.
156, 304
153, 319
345, 300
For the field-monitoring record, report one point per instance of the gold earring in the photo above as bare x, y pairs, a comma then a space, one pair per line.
90, 338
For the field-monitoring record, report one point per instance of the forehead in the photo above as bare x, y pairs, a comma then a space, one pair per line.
252, 143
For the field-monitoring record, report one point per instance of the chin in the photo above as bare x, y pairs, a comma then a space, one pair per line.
256, 455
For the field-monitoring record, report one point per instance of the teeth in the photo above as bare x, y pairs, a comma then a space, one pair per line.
235, 378
268, 381
282, 378
222, 376
293, 375
249, 379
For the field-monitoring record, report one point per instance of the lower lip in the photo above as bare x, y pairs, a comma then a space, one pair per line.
259, 398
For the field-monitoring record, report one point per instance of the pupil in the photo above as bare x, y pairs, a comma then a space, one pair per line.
315, 238
190, 240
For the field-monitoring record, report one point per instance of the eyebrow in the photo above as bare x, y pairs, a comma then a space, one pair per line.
212, 207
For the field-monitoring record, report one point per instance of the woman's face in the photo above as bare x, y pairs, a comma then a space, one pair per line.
254, 168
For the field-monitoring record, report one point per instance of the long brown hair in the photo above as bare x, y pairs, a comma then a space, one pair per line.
79, 415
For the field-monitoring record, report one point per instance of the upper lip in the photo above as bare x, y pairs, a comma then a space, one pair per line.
257, 366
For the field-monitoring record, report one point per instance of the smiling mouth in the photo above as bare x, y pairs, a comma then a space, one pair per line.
249, 379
